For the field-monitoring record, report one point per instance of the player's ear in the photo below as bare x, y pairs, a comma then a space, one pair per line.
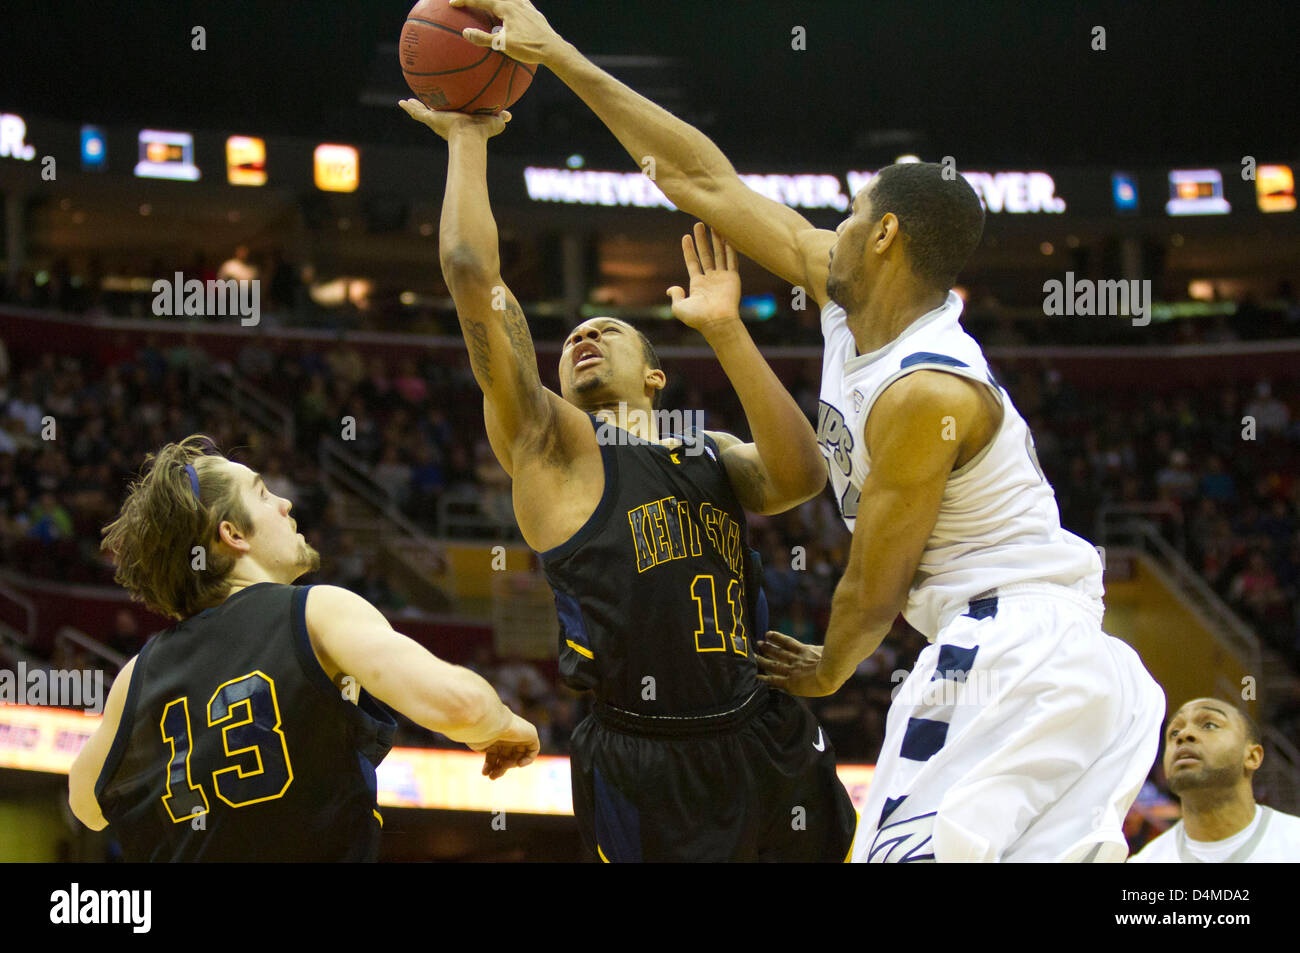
886, 233
232, 536
1254, 757
655, 379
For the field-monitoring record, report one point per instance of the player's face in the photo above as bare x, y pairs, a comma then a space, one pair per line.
848, 255
602, 361
275, 540
1205, 747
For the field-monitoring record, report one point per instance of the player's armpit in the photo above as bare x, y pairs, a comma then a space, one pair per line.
754, 486
90, 760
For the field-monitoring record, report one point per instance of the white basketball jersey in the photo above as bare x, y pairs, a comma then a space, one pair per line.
998, 521
1271, 837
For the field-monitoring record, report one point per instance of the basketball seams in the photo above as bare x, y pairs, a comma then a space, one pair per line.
510, 80
440, 26
473, 95
459, 69
487, 85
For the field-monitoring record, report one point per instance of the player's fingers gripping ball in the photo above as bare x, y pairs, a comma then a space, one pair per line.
447, 71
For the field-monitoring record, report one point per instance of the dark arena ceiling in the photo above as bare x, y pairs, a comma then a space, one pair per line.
993, 81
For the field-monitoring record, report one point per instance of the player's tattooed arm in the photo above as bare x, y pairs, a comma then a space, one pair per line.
519, 412
685, 163
783, 466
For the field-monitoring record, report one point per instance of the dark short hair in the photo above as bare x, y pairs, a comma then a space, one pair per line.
940, 217
1252, 729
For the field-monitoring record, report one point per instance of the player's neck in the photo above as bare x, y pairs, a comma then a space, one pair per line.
889, 311
1212, 816
635, 420
248, 573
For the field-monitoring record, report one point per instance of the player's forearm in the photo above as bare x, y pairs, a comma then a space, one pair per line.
467, 238
781, 433
462, 706
855, 631
686, 163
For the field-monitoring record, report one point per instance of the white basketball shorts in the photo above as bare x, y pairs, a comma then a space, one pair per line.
1023, 734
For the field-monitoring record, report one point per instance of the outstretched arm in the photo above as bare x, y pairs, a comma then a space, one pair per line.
687, 166
517, 409
783, 466
352, 637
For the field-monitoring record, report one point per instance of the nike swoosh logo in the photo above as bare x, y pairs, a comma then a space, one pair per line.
820, 743
673, 456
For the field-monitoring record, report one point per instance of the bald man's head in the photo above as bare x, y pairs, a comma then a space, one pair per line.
1210, 744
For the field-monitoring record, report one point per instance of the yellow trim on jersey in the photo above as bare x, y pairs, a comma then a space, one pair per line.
184, 702
256, 748
379, 817
579, 649
603, 858
848, 858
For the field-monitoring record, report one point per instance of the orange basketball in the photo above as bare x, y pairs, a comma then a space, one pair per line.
446, 71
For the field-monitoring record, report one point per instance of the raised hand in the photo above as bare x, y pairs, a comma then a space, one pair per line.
714, 299
525, 35
444, 121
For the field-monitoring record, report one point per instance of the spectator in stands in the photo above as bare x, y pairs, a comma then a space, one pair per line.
239, 267
1176, 481
276, 480
796, 623
393, 476
1271, 415
520, 681
1255, 589
48, 520
349, 564
25, 407
1217, 483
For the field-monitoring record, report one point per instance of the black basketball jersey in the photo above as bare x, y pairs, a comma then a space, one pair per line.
234, 745
659, 596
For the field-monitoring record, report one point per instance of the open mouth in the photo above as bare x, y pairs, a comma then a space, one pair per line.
1186, 757
585, 355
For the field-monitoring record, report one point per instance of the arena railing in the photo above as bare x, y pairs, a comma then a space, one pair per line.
246, 400
28, 609
68, 635
351, 474
13, 648
1122, 526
